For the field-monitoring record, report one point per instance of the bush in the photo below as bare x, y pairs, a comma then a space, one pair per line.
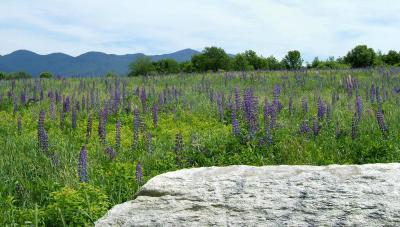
46, 75
76, 207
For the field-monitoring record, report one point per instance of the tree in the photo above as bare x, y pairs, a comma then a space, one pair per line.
253, 59
18, 75
361, 56
293, 60
110, 75
2, 76
212, 58
271, 63
46, 75
166, 66
240, 63
141, 66
186, 66
391, 58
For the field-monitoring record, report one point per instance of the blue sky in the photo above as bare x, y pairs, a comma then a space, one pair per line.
271, 27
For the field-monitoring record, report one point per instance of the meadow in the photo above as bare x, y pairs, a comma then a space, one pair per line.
71, 148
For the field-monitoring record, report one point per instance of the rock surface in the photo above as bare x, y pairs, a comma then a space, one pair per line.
364, 195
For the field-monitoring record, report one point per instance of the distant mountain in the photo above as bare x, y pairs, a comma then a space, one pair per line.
87, 64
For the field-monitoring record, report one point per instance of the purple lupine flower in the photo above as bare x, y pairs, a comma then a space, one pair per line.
136, 125
73, 118
178, 149
304, 128
372, 93
89, 127
139, 172
23, 98
19, 124
359, 106
304, 105
82, 165
250, 108
66, 107
40, 129
110, 152
354, 126
381, 120
273, 112
117, 99
321, 108
102, 127
268, 135
316, 128
52, 108
45, 141
235, 124
155, 115
143, 99
117, 134
276, 102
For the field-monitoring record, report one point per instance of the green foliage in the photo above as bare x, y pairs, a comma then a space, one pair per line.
76, 207
240, 63
18, 75
141, 66
271, 63
211, 59
2, 75
360, 56
110, 75
293, 60
186, 67
330, 63
46, 75
391, 58
166, 66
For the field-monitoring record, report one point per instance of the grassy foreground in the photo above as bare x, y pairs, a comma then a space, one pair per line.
72, 148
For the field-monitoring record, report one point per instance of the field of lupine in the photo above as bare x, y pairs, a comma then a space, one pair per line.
72, 148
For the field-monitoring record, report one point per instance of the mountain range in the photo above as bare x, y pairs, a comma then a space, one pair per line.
87, 64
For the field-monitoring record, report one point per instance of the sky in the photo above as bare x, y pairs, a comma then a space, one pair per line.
270, 27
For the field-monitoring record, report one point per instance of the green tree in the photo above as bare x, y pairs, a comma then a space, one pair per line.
293, 60
212, 58
18, 75
391, 58
186, 66
240, 63
361, 56
110, 75
254, 60
141, 66
166, 66
46, 75
2, 76
271, 63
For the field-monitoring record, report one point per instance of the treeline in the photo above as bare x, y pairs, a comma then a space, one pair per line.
216, 59
22, 75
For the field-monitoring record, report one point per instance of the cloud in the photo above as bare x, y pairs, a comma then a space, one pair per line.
316, 28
